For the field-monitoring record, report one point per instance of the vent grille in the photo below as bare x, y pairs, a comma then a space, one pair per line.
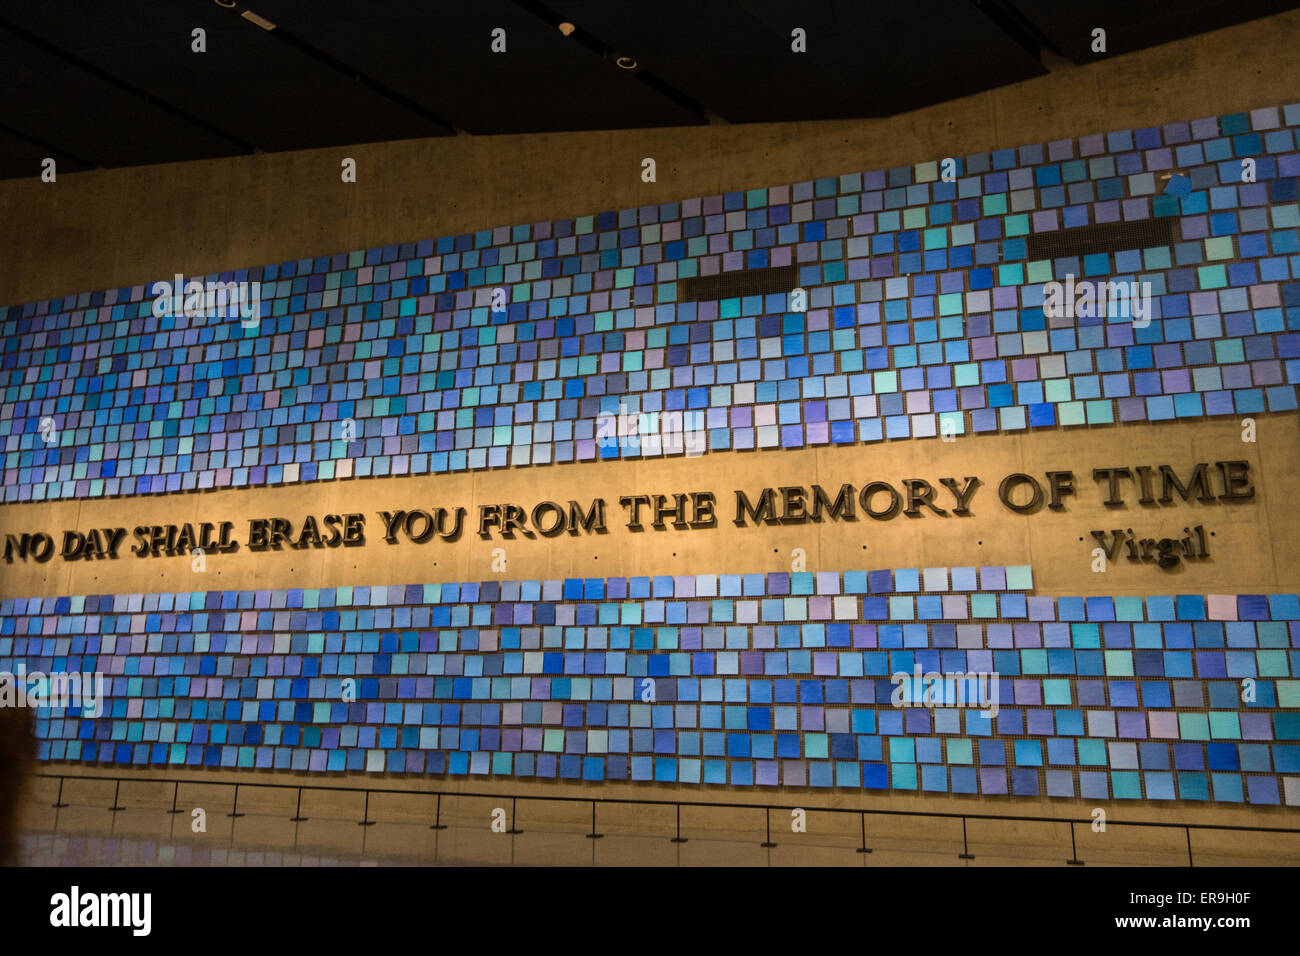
731, 285
1109, 237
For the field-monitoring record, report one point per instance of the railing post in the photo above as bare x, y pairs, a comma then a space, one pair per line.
297, 811
965, 853
116, 789
679, 838
1074, 852
863, 848
176, 792
767, 814
58, 803
1188, 831
593, 835
513, 828
234, 810
437, 816
367, 822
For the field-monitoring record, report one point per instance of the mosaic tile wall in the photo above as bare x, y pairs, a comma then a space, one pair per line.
758, 680
925, 315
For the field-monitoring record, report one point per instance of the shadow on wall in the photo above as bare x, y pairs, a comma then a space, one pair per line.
17, 756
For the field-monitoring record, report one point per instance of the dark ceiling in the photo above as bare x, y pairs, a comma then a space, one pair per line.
115, 83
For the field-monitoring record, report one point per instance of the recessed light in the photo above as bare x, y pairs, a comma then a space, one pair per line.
567, 28
626, 63
262, 22
224, 3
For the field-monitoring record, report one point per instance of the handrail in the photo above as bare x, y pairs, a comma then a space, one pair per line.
767, 807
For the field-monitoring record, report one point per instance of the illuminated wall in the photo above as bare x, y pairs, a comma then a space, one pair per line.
924, 320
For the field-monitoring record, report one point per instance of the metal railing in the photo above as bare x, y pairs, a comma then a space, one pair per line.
677, 837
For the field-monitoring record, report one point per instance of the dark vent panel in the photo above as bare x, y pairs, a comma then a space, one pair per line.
731, 285
1109, 237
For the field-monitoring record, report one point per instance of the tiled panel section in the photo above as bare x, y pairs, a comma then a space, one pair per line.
758, 680
924, 316
59, 849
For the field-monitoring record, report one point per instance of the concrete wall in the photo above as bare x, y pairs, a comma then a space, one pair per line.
125, 227
1253, 545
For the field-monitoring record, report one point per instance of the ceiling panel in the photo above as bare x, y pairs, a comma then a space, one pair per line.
1133, 26
256, 89
115, 83
440, 55
862, 59
53, 101
21, 157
